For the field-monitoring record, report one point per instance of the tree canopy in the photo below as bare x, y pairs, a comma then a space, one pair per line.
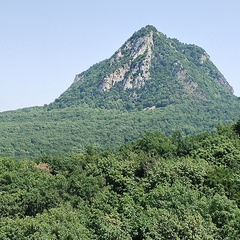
157, 187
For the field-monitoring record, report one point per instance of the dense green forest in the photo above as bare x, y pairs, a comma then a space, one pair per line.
31, 132
156, 187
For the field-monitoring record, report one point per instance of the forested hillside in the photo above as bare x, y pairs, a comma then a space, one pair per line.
151, 83
32, 132
157, 187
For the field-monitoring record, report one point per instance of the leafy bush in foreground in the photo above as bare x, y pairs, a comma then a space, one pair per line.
156, 187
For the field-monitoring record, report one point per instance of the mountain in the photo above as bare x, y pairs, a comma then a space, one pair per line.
150, 70
152, 83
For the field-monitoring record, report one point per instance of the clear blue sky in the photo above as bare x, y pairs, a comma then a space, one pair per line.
44, 43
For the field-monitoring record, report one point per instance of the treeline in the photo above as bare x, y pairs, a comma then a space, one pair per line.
157, 187
31, 132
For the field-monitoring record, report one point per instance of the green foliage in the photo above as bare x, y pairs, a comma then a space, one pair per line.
237, 127
157, 187
56, 223
32, 132
154, 144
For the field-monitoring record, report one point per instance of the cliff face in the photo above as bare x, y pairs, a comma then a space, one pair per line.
131, 74
146, 71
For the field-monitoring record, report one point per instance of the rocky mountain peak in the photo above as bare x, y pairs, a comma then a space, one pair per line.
149, 70
136, 70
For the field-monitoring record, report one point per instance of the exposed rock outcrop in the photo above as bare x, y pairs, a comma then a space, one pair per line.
182, 75
131, 74
78, 78
221, 79
204, 58
117, 76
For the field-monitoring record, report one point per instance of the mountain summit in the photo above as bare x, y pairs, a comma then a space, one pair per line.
150, 70
133, 62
